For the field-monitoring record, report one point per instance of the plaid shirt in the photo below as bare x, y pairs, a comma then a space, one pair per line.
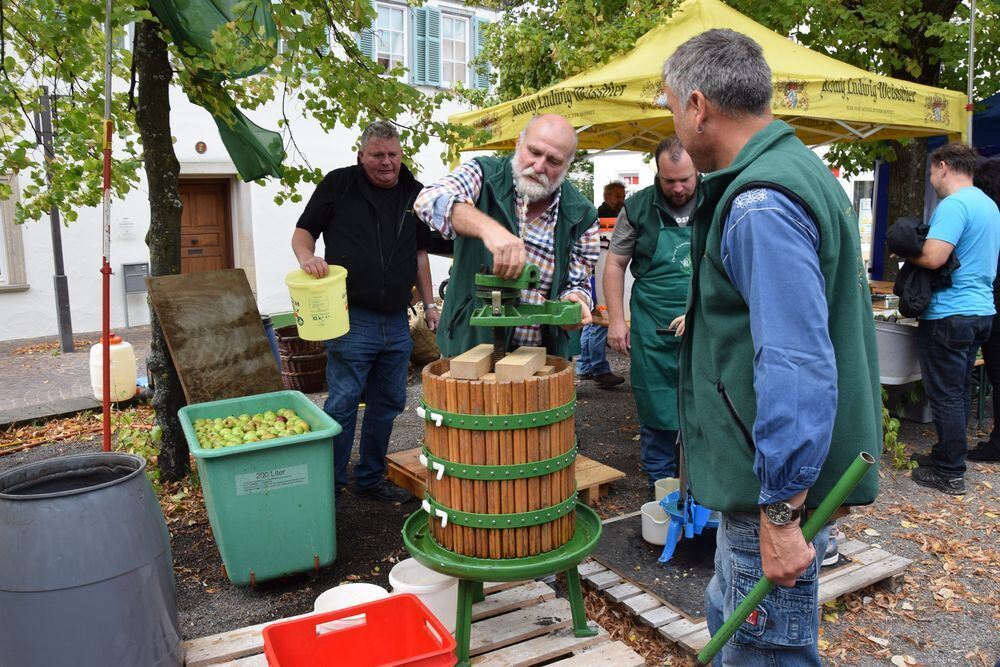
434, 205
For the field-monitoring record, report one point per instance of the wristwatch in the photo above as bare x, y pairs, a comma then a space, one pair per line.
430, 306
781, 513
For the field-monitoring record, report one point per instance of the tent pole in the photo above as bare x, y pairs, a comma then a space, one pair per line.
972, 55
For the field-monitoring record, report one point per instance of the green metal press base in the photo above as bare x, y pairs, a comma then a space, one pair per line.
472, 572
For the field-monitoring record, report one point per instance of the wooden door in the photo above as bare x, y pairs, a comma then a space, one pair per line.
206, 237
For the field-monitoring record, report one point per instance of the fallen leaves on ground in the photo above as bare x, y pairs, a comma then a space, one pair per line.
51, 348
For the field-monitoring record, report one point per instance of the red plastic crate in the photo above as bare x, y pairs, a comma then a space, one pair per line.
395, 631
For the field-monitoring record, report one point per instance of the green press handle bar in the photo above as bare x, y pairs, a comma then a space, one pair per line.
817, 519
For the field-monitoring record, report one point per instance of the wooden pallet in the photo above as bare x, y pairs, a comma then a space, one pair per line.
592, 477
517, 625
866, 565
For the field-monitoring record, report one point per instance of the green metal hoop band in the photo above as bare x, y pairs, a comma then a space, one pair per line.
497, 422
498, 521
498, 472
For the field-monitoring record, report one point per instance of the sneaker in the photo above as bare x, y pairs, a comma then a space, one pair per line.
923, 459
383, 492
985, 451
933, 479
832, 554
607, 380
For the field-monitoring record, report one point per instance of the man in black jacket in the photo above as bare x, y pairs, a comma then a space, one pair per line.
365, 214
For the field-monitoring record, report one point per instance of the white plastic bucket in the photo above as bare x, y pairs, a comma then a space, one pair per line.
664, 487
655, 523
343, 596
438, 591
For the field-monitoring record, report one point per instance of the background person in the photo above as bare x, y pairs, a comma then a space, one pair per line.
652, 233
959, 318
614, 199
365, 215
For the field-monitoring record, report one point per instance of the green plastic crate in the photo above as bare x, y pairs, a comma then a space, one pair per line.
270, 503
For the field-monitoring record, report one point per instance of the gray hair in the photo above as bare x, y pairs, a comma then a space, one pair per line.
672, 147
727, 67
576, 137
380, 129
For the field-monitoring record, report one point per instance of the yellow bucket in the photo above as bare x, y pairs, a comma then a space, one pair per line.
319, 304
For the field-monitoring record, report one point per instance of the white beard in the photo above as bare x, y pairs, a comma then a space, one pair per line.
532, 190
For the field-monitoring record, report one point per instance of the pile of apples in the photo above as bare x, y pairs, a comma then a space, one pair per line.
241, 429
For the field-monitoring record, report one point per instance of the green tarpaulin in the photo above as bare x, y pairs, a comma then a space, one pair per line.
192, 24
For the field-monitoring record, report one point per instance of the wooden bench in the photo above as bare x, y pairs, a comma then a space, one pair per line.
592, 477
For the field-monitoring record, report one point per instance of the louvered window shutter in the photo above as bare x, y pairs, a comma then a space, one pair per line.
418, 69
481, 74
432, 46
366, 39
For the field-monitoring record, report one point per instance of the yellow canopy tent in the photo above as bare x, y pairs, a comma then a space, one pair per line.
621, 105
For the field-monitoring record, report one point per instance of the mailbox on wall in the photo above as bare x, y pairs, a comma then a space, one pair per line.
134, 277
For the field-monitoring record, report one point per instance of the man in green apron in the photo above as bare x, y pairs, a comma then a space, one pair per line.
652, 233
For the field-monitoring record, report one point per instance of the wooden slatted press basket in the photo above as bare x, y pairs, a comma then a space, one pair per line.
501, 462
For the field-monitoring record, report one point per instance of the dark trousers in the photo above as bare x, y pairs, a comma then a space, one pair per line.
947, 353
991, 356
372, 358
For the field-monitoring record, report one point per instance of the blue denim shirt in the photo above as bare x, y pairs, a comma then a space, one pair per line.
769, 251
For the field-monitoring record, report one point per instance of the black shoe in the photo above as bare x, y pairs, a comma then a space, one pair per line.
933, 479
986, 450
607, 380
583, 376
383, 492
923, 459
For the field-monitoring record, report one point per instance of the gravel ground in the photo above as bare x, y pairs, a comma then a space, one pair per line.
946, 613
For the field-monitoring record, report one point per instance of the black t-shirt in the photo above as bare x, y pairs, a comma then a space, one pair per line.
370, 231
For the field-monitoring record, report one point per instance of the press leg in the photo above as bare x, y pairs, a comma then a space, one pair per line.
580, 627
478, 595
463, 621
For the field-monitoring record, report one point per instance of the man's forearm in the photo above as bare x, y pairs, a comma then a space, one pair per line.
614, 288
303, 245
467, 220
424, 286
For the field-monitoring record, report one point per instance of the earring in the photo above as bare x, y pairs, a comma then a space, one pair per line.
700, 129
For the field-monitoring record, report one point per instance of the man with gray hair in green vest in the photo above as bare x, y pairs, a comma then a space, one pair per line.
778, 395
504, 213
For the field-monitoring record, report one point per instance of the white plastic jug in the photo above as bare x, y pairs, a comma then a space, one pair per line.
438, 591
122, 370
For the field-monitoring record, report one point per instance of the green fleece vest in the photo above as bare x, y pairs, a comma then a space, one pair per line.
717, 401
647, 211
496, 199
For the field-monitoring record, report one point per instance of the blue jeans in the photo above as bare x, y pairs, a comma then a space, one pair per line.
947, 349
657, 453
784, 629
592, 359
373, 358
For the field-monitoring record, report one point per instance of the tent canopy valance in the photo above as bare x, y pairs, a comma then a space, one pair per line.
621, 105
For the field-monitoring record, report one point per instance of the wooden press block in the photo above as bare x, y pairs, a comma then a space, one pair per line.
545, 370
489, 377
520, 364
472, 364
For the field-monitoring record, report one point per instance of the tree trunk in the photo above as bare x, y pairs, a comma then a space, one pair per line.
164, 237
906, 191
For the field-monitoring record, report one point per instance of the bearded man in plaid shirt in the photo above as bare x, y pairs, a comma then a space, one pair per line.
504, 213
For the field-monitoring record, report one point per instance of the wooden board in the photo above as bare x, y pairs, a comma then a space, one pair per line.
592, 477
519, 624
520, 364
214, 333
865, 566
472, 364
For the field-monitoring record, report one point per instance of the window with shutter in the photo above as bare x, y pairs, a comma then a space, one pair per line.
481, 73
389, 35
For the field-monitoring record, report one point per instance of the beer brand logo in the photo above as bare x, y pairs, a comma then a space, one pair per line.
936, 110
654, 96
790, 95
